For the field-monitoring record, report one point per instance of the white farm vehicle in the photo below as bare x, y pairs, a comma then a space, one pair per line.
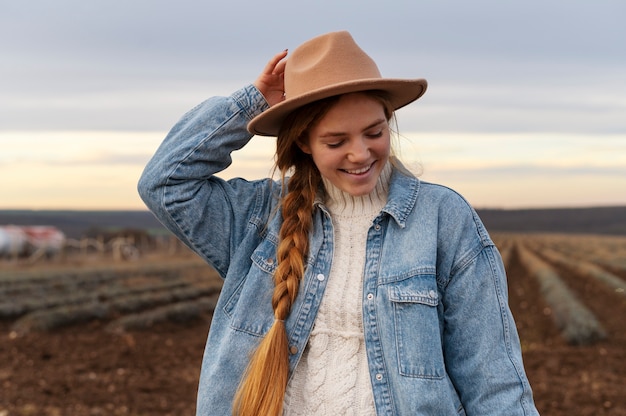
30, 241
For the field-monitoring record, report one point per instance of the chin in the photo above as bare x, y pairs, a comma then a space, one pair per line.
360, 191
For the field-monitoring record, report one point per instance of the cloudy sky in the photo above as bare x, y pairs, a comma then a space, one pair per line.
526, 104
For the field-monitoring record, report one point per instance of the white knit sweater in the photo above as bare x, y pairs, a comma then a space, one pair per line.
332, 377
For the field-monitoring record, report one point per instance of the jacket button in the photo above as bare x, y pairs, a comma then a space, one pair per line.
320, 277
379, 376
293, 350
370, 296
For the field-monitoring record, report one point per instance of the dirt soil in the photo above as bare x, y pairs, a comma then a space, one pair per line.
85, 370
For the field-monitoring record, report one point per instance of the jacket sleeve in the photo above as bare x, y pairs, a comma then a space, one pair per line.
483, 353
179, 185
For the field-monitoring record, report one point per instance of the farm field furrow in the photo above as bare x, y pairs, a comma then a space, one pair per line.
577, 324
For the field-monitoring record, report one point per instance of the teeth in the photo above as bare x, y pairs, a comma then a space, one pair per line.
359, 171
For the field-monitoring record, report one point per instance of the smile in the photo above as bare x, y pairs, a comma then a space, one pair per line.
359, 171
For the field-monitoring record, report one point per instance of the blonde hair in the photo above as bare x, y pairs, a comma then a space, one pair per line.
264, 383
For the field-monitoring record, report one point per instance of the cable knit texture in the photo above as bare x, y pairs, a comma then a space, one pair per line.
332, 377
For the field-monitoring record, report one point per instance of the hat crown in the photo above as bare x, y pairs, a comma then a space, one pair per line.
327, 60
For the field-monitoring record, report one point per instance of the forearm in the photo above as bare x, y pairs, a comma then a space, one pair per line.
200, 143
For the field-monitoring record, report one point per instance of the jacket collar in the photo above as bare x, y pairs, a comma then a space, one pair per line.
403, 189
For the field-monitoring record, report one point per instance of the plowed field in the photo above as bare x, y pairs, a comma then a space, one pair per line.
102, 339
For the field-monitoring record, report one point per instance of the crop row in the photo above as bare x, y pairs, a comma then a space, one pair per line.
64, 315
576, 323
571, 271
602, 250
17, 282
123, 296
586, 268
22, 305
177, 312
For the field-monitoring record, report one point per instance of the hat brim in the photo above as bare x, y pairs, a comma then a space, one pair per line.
401, 92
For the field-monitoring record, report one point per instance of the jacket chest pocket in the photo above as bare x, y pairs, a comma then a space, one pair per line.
416, 326
250, 306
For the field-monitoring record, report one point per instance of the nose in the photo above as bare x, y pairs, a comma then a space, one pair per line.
359, 151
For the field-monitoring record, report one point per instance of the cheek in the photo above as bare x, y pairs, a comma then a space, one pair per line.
382, 147
324, 160
327, 160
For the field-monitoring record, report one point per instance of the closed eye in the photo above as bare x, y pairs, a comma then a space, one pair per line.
335, 145
374, 135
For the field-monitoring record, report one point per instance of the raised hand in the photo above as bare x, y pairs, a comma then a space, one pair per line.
271, 81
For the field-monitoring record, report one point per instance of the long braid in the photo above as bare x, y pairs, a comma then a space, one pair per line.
262, 390
264, 384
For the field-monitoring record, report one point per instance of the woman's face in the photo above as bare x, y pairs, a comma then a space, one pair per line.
350, 145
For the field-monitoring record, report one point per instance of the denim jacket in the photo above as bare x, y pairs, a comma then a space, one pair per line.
440, 338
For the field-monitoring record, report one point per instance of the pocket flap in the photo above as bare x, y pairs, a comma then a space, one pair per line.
264, 257
414, 295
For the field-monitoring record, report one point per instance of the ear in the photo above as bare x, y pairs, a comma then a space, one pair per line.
304, 146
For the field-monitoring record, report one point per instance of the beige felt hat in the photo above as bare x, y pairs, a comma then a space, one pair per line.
329, 65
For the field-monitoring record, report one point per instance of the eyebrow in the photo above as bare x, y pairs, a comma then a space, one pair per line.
338, 134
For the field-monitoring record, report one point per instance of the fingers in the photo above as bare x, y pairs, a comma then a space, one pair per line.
280, 66
276, 65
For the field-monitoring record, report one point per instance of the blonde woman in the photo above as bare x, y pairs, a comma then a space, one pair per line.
350, 286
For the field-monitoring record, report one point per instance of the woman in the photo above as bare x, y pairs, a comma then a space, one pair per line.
350, 287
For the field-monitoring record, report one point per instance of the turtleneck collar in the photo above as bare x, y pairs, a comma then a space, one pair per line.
340, 202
